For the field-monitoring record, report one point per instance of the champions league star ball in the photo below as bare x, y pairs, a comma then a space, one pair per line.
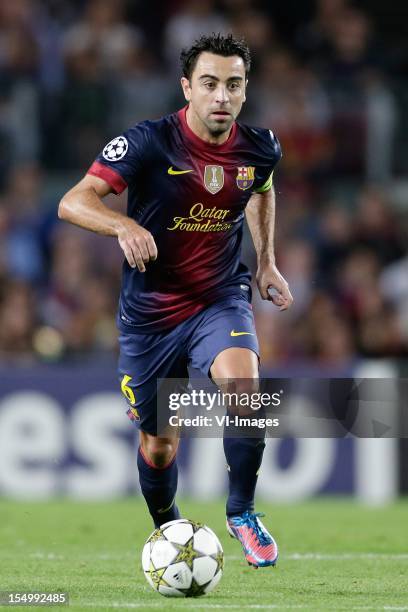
183, 559
115, 149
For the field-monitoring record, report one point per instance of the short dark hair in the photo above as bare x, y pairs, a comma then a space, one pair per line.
217, 44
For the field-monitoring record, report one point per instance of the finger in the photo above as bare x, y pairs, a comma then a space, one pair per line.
274, 294
278, 300
129, 255
263, 289
283, 293
287, 294
140, 244
139, 260
264, 293
152, 248
283, 303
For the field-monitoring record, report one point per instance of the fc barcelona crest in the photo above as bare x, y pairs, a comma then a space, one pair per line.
133, 414
214, 178
245, 177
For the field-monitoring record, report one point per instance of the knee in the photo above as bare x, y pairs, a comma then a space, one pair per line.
236, 364
159, 451
239, 387
245, 386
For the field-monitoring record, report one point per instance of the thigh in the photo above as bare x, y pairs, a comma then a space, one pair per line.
143, 359
226, 325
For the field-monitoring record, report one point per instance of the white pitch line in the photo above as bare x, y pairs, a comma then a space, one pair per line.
240, 606
51, 556
344, 556
180, 600
338, 557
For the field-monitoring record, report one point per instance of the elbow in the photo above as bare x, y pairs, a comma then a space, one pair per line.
63, 209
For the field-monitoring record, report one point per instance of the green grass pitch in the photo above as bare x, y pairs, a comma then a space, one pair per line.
334, 555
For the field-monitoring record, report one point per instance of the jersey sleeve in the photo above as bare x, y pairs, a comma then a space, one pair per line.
266, 186
273, 154
121, 160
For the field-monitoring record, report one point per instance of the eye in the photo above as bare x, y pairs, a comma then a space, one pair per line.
234, 86
209, 85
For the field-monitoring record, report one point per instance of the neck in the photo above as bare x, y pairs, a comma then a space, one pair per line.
200, 129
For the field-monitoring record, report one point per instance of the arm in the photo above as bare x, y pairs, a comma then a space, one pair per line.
83, 206
260, 215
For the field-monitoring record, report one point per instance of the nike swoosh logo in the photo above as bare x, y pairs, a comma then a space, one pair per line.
163, 510
175, 172
234, 333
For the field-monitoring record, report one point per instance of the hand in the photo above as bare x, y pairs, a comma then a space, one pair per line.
267, 277
137, 244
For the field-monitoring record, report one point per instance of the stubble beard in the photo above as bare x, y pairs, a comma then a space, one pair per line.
216, 128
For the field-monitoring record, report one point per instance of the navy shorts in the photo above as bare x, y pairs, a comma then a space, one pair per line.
194, 343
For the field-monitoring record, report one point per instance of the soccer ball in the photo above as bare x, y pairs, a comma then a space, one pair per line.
183, 559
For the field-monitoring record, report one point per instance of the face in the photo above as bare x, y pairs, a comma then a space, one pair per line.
216, 92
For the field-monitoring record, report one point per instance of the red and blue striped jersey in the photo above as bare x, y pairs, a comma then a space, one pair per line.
191, 195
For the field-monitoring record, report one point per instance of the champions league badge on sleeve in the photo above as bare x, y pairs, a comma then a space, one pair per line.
245, 177
116, 149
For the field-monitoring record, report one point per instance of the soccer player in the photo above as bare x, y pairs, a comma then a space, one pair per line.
186, 297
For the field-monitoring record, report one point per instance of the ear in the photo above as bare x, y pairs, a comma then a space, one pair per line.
246, 85
185, 84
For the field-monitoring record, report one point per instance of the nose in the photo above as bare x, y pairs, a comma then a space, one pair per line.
221, 94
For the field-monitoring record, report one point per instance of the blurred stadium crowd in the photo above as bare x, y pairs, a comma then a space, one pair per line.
73, 74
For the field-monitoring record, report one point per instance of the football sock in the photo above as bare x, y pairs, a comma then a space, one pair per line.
159, 486
244, 458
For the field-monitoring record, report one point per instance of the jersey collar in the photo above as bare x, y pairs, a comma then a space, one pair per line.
201, 144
